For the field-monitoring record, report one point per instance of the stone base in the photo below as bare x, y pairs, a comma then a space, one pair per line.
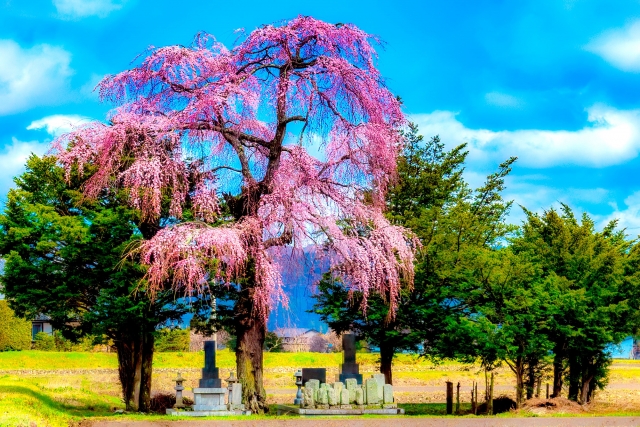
286, 409
209, 407
224, 413
390, 405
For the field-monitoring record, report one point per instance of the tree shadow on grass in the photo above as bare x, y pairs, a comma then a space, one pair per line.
87, 407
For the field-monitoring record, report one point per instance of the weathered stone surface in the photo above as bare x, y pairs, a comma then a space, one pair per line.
322, 397
332, 397
338, 386
309, 397
359, 396
314, 384
371, 385
351, 384
344, 396
324, 385
235, 397
380, 380
387, 394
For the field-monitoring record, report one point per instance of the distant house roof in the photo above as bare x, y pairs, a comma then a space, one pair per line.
294, 332
42, 318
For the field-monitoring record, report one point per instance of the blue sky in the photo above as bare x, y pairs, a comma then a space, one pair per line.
556, 83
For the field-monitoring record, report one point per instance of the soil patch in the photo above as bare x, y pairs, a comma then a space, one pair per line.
556, 405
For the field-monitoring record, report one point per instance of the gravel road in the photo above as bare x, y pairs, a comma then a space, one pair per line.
391, 421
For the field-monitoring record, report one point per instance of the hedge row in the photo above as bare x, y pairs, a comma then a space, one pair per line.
15, 333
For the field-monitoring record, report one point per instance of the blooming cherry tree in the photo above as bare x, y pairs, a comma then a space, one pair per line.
293, 131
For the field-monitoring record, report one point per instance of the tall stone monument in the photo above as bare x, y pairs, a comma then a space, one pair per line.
349, 368
210, 374
209, 396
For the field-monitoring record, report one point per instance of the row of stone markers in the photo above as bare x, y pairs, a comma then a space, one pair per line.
347, 396
374, 394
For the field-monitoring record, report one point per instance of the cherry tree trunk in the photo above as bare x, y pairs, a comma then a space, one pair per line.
386, 359
251, 331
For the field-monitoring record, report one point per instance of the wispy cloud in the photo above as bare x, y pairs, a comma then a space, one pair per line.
76, 9
628, 217
611, 137
620, 47
58, 123
32, 77
13, 158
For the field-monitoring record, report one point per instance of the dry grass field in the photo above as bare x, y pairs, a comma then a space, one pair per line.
61, 389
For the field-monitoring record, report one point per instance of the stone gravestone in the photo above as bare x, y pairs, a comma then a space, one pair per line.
209, 396
380, 380
359, 396
308, 397
344, 397
351, 384
332, 398
319, 374
387, 397
349, 368
371, 386
210, 375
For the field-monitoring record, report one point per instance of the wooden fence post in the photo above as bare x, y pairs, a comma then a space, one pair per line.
547, 391
449, 397
458, 399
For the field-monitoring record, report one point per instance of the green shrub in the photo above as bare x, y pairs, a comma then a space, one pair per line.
172, 340
15, 333
44, 342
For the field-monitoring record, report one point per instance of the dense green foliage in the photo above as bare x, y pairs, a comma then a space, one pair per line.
15, 333
175, 339
554, 292
64, 258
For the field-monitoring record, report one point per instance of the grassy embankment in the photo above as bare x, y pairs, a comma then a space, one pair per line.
55, 389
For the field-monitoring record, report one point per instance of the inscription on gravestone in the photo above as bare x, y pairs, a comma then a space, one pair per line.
349, 368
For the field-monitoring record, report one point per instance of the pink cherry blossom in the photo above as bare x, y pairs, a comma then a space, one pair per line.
297, 115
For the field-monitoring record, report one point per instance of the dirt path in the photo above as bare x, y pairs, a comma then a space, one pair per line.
386, 422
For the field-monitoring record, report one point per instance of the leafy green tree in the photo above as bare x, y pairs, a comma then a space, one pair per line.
507, 303
63, 257
593, 282
15, 333
452, 222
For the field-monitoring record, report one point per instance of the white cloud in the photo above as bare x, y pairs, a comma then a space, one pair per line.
13, 158
75, 9
612, 137
620, 47
32, 77
502, 100
58, 123
629, 217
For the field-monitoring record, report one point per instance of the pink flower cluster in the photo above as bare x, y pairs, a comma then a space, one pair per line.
299, 114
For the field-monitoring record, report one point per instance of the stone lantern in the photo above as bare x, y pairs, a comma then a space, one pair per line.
298, 399
235, 393
179, 387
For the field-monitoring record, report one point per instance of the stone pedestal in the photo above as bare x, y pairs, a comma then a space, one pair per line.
209, 399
